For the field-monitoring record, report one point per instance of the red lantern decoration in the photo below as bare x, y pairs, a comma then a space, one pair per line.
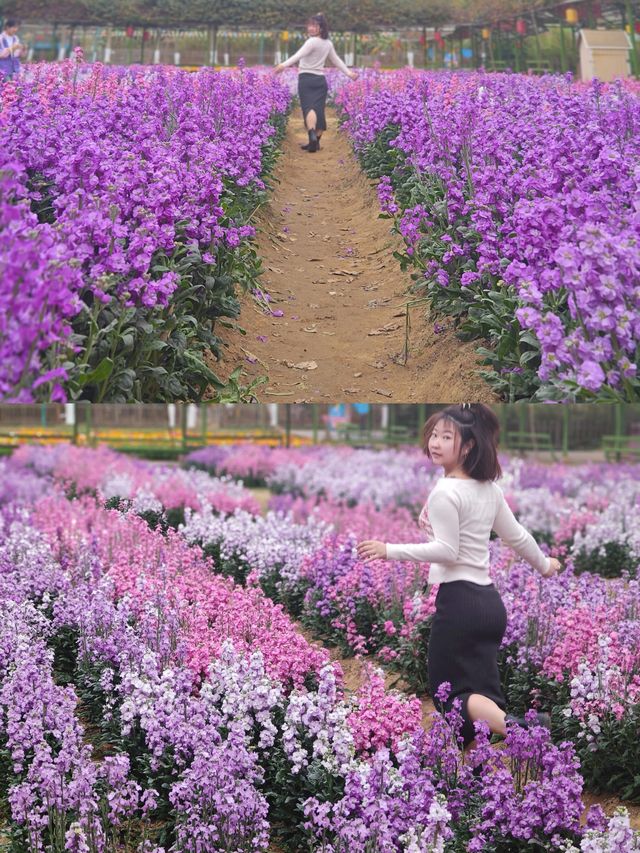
130, 31
438, 38
423, 40
521, 27
146, 35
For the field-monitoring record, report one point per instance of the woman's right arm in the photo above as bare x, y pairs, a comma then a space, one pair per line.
297, 56
445, 522
514, 534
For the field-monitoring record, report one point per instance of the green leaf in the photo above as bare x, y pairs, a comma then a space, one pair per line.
101, 372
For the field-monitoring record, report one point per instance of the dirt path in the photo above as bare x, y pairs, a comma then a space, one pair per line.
329, 268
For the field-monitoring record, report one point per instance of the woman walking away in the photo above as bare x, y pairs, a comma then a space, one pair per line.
312, 84
470, 619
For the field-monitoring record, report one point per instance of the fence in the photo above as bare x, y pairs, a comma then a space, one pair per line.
559, 428
198, 46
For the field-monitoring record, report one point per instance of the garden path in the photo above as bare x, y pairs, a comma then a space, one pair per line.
329, 268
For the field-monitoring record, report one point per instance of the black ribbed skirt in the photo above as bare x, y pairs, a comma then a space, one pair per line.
312, 90
466, 632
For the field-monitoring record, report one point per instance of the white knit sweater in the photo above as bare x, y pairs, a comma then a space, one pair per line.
459, 516
313, 55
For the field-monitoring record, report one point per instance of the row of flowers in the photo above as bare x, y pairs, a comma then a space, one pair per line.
133, 190
571, 644
517, 200
146, 701
588, 512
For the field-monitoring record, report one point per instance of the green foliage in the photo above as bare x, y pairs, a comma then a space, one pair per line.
354, 16
610, 561
136, 354
614, 767
483, 311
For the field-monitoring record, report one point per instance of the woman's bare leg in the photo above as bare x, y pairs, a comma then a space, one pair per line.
481, 708
311, 120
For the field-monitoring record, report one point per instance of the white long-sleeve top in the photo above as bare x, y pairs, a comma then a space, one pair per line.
313, 55
459, 516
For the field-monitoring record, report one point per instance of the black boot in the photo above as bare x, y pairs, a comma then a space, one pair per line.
313, 142
306, 147
543, 720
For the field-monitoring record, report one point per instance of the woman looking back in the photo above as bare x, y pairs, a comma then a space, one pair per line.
312, 85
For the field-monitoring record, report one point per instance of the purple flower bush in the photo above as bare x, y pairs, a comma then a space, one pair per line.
222, 728
132, 189
517, 200
157, 492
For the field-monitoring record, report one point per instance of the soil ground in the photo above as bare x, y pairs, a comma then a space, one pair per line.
329, 267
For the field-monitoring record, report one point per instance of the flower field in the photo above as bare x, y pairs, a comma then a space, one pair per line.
156, 695
517, 198
132, 190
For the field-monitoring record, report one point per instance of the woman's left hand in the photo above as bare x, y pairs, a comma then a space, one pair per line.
278, 69
372, 549
353, 75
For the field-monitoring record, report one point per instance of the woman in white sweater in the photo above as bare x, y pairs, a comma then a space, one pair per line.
462, 509
312, 85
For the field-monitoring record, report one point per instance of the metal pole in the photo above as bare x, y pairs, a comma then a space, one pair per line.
565, 431
183, 426
315, 422
204, 412
74, 438
288, 424
422, 417
504, 425
88, 422
635, 58
563, 49
618, 419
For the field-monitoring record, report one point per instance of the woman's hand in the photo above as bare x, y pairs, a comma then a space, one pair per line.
353, 75
554, 567
371, 549
278, 69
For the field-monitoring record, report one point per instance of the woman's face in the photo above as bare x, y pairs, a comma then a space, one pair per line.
444, 445
313, 28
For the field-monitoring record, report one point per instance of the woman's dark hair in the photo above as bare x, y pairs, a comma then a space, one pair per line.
321, 21
11, 22
473, 422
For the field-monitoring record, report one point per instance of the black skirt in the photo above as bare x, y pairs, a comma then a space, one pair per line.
466, 633
312, 89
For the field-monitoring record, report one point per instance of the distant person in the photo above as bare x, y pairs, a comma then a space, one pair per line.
312, 84
10, 50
